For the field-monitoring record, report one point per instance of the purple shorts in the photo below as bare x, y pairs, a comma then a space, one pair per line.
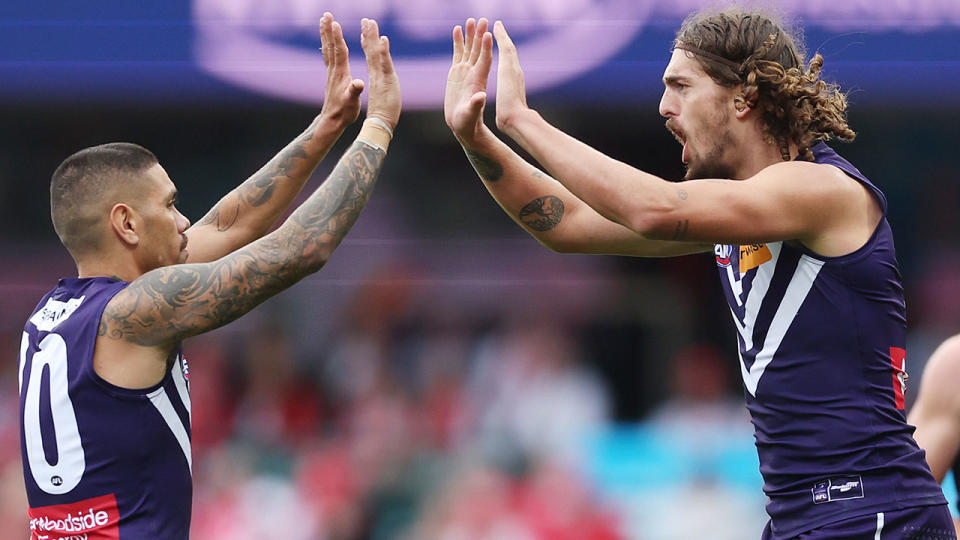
917, 523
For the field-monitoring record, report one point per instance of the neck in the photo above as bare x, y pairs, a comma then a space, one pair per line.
764, 155
89, 269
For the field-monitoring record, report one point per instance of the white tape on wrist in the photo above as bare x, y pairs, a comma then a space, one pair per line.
379, 123
373, 145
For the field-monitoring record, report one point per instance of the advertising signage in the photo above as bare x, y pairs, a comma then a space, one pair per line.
572, 50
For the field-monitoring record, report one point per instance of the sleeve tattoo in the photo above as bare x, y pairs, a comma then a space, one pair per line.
174, 302
543, 213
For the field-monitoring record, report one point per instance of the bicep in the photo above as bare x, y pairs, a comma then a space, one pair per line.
171, 303
785, 201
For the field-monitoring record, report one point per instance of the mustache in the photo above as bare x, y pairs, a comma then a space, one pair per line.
675, 131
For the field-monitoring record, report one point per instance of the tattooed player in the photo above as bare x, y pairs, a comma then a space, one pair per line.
105, 406
801, 241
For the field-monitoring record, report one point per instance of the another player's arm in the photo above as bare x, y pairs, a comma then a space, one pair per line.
540, 204
554, 216
250, 210
171, 303
144, 322
936, 413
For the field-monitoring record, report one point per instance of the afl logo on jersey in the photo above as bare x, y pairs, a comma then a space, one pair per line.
723, 254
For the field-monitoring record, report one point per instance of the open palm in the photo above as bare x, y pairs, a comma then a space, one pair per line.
466, 95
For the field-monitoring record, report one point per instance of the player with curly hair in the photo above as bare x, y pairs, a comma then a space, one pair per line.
801, 241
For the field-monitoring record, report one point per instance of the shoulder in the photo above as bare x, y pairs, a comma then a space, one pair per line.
821, 176
826, 190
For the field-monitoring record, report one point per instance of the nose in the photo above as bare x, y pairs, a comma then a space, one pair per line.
182, 222
667, 105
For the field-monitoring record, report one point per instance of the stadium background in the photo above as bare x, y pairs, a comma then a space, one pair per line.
446, 376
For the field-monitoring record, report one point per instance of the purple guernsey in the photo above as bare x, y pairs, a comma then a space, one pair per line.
821, 342
98, 461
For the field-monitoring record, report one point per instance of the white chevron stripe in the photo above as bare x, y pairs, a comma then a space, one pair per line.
761, 284
162, 402
796, 293
181, 385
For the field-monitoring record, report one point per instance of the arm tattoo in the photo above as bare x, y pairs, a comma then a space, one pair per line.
487, 168
542, 214
223, 222
258, 189
680, 233
682, 194
174, 302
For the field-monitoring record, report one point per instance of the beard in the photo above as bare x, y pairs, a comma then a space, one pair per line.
711, 164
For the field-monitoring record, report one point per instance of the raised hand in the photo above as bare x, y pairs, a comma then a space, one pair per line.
342, 97
466, 95
383, 100
511, 91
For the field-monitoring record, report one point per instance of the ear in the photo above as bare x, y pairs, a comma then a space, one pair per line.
744, 104
125, 224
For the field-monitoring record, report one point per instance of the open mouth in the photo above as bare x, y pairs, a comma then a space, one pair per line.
679, 136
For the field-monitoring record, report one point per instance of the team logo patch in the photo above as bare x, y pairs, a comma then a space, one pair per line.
837, 489
185, 367
753, 256
898, 359
94, 519
723, 254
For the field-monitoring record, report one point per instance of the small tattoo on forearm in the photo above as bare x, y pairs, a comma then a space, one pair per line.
683, 194
537, 174
222, 221
542, 214
681, 231
488, 169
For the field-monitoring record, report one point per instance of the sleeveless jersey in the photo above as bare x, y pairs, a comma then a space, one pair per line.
821, 347
99, 461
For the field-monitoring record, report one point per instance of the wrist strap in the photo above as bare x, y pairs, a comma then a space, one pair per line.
380, 124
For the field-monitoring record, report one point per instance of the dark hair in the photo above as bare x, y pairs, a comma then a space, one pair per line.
796, 105
82, 181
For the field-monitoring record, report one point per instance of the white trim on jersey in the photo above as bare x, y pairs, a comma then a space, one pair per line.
24, 345
797, 290
181, 385
758, 291
879, 525
161, 401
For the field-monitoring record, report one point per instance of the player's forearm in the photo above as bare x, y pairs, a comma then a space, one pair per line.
319, 225
252, 208
617, 191
531, 198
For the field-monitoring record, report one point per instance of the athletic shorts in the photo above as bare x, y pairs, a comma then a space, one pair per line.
917, 523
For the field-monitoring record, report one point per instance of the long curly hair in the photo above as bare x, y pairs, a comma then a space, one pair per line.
751, 49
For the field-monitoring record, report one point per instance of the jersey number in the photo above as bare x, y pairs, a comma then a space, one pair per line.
67, 470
